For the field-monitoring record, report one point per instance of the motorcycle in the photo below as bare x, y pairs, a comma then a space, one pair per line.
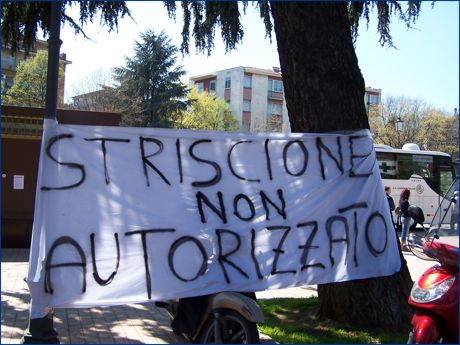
434, 295
222, 318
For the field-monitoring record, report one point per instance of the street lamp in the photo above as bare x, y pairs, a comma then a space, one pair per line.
399, 128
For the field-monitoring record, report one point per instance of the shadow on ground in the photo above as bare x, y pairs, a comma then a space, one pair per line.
124, 324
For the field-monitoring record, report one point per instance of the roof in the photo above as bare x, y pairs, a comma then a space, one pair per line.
269, 72
203, 76
389, 149
253, 70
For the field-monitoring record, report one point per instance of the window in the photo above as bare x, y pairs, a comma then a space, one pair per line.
375, 99
246, 105
403, 166
408, 165
247, 82
444, 168
274, 108
200, 86
387, 164
212, 86
228, 83
275, 85
372, 99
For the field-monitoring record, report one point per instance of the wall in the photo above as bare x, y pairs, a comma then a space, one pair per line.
259, 103
20, 155
236, 90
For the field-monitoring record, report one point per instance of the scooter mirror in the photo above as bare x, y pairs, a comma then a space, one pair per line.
416, 214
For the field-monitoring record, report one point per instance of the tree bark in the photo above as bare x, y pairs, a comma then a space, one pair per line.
323, 83
324, 91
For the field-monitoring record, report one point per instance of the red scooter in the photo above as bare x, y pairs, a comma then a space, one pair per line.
434, 295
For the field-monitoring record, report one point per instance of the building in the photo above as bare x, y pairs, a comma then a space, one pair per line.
100, 100
10, 62
256, 96
372, 99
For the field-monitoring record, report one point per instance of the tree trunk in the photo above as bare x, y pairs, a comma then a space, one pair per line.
370, 303
324, 91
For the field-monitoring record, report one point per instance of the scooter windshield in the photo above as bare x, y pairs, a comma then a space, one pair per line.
441, 240
445, 221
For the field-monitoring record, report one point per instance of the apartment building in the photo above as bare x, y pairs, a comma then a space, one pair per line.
256, 96
372, 98
10, 62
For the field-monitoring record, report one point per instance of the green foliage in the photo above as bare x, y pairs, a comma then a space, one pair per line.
29, 83
150, 83
294, 321
432, 129
274, 123
21, 20
385, 9
439, 132
207, 16
207, 112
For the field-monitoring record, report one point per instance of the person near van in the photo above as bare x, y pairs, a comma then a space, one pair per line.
405, 218
391, 202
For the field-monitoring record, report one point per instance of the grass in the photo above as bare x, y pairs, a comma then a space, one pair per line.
293, 321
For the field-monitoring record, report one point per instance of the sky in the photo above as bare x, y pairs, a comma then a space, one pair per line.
424, 65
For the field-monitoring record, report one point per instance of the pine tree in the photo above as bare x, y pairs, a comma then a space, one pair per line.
152, 79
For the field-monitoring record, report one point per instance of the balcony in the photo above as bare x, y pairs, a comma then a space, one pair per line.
275, 95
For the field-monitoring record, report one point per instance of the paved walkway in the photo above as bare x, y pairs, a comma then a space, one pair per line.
128, 324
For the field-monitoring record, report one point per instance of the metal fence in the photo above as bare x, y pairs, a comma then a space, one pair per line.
22, 127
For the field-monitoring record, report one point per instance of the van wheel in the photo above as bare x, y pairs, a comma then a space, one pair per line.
234, 328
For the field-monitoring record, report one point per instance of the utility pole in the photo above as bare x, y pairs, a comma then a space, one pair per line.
41, 330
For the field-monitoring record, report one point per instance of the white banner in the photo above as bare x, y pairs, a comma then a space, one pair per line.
128, 215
